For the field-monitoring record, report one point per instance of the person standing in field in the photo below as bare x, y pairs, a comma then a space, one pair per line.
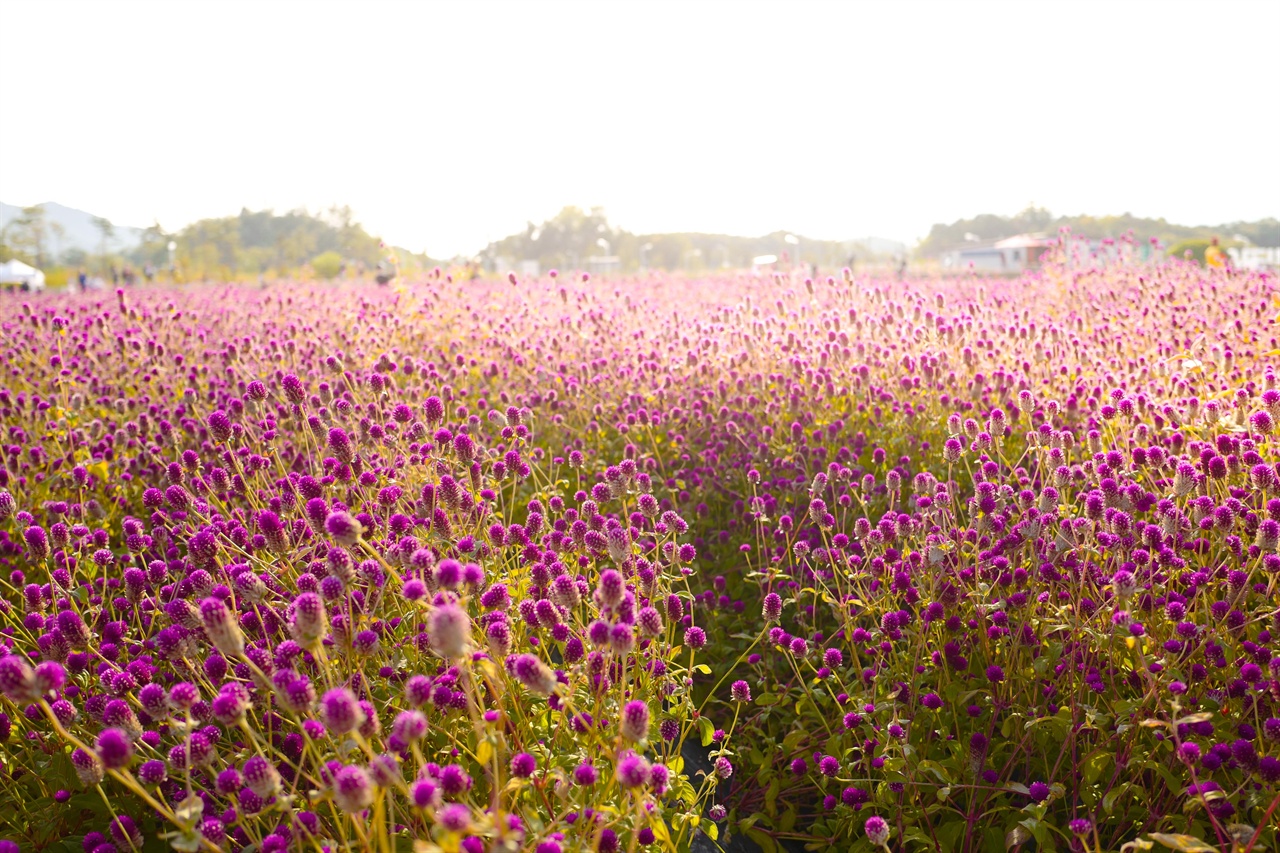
1214, 257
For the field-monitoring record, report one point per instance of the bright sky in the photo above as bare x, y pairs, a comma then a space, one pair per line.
446, 125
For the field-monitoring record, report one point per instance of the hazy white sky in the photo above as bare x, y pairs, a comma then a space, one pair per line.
445, 125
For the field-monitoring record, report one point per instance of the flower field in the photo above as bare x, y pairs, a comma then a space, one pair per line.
556, 565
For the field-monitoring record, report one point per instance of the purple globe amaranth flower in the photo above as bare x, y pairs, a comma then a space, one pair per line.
740, 691
308, 624
449, 631
183, 696
49, 677
530, 671
340, 711
152, 772
877, 830
695, 637
343, 528
454, 818
219, 426
18, 679
88, 767
37, 543
352, 789
221, 628
634, 724
114, 749
409, 726
523, 765
1081, 826
584, 774
261, 776
73, 629
425, 794
126, 832
632, 770
1038, 791
611, 588
433, 410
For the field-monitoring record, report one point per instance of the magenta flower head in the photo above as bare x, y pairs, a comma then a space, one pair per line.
88, 767
584, 774
114, 749
344, 528
293, 388
740, 691
695, 637
37, 542
183, 695
152, 772
261, 776
455, 817
433, 410
340, 712
49, 677
352, 788
449, 630
220, 426
523, 765
425, 794
635, 721
530, 671
611, 588
309, 621
877, 831
772, 608
8, 506
1081, 826
633, 770
17, 680
220, 625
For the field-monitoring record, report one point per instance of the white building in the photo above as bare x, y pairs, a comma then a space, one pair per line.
1255, 258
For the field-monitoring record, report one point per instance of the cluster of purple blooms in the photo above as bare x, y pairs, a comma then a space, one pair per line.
284, 571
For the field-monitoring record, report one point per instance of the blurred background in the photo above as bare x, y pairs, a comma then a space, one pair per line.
189, 141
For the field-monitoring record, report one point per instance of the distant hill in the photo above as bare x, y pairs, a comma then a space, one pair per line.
986, 227
576, 238
78, 230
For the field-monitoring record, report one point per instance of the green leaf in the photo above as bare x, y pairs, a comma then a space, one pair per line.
936, 769
764, 839
1109, 801
1018, 835
1185, 843
1095, 764
949, 835
706, 730
1136, 844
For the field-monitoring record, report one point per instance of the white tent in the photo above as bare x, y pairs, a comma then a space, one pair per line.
16, 272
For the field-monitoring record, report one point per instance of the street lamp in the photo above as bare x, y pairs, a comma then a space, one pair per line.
173, 247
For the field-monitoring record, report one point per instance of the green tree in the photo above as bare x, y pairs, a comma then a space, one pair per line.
327, 264
108, 231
